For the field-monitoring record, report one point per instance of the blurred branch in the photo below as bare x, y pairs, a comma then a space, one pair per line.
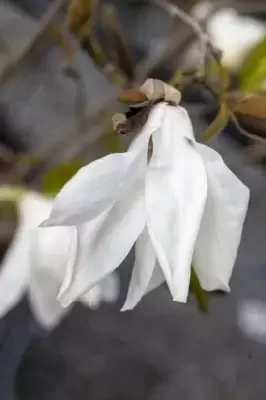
5, 46
47, 18
176, 11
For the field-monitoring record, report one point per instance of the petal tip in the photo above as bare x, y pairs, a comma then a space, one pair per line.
180, 299
44, 224
126, 307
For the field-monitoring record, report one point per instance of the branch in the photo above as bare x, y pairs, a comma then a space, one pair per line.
176, 11
47, 18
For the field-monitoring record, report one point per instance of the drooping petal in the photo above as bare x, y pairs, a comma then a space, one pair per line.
100, 184
176, 189
145, 260
92, 298
50, 253
106, 290
222, 223
43, 291
104, 244
14, 272
157, 278
15, 266
110, 286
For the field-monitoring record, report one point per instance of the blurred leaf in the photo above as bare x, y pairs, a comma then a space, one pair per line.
11, 193
60, 38
224, 80
7, 161
200, 294
217, 73
249, 110
176, 78
56, 178
8, 224
182, 76
116, 41
253, 125
252, 104
95, 51
78, 14
218, 124
114, 143
253, 71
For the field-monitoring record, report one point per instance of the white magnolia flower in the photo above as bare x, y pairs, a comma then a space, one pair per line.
181, 206
36, 262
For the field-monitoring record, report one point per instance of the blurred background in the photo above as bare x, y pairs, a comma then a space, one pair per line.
58, 92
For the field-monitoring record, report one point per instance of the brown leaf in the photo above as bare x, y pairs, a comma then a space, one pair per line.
248, 104
254, 125
132, 96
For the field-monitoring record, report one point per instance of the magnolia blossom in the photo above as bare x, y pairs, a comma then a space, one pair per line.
36, 263
181, 205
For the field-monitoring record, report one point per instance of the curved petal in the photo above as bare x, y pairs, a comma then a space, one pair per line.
92, 298
101, 183
49, 258
34, 207
176, 189
145, 260
43, 291
157, 278
110, 287
15, 266
222, 223
102, 246
106, 290
14, 272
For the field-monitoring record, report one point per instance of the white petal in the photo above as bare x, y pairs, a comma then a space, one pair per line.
15, 266
49, 258
100, 184
176, 189
157, 278
221, 228
92, 298
33, 209
106, 290
43, 291
14, 272
110, 287
103, 245
145, 259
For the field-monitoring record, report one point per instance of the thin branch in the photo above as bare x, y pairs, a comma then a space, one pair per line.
176, 11
47, 18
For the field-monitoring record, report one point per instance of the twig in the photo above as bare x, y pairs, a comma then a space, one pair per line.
48, 16
176, 11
